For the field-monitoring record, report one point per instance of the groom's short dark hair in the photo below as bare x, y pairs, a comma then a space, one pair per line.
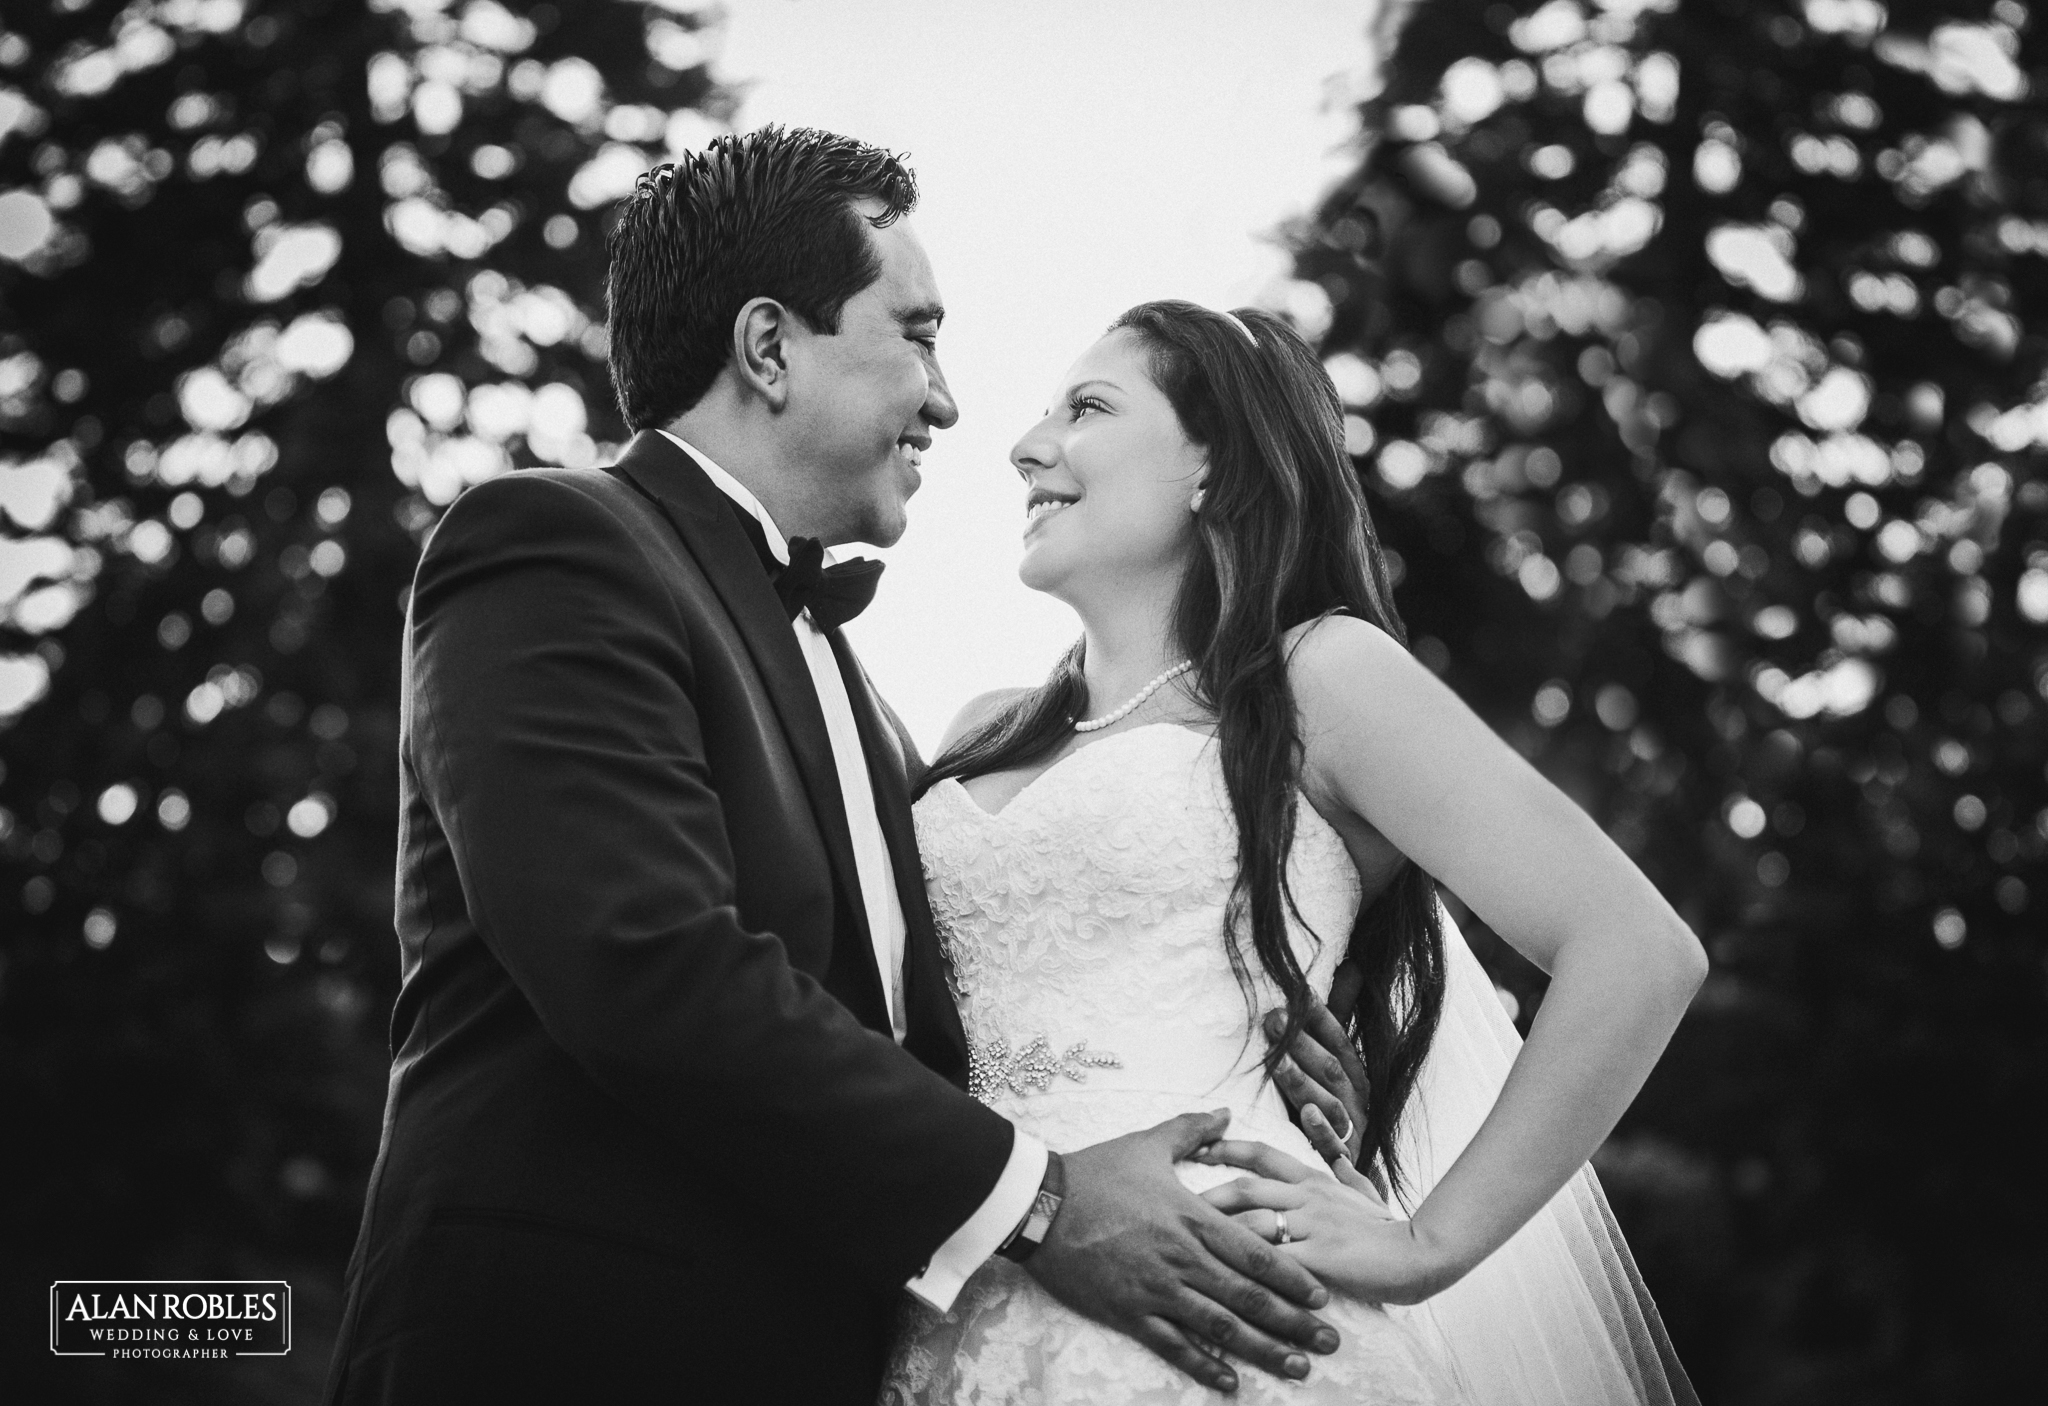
765, 215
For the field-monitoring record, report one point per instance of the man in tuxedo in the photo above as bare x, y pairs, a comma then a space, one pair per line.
677, 1109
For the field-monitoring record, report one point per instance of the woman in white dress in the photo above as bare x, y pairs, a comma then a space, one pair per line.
1235, 783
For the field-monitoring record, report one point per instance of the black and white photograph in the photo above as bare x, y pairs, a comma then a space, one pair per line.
899, 703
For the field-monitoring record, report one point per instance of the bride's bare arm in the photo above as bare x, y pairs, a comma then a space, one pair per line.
1388, 742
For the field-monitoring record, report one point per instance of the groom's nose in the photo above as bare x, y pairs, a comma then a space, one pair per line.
940, 410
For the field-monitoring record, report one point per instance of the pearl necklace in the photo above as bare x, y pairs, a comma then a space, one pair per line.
1097, 724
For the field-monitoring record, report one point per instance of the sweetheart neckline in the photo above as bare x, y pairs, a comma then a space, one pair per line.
1308, 810
1204, 737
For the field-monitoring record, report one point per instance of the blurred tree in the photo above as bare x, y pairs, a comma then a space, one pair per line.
1690, 373
276, 282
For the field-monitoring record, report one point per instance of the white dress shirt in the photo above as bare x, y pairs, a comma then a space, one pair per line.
964, 1251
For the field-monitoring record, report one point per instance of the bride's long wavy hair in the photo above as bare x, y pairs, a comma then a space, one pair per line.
1283, 536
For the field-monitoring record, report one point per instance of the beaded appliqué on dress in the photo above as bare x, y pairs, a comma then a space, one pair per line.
994, 1068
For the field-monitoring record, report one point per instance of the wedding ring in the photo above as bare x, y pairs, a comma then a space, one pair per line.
1281, 1237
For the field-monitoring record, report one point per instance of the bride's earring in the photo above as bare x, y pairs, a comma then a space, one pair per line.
1195, 500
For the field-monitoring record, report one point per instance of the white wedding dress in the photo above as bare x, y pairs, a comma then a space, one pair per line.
1084, 923
1085, 927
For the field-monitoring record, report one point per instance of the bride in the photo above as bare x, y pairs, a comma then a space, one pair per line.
1235, 783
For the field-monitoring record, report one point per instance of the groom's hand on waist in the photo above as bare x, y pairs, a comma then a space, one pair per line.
1133, 1248
1321, 1070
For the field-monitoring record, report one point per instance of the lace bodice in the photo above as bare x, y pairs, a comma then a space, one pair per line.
1085, 924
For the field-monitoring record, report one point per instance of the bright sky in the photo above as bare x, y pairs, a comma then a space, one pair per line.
1075, 157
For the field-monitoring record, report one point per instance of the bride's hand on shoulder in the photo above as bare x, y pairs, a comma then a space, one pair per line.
1339, 1227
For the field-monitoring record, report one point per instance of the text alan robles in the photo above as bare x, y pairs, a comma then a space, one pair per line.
161, 1318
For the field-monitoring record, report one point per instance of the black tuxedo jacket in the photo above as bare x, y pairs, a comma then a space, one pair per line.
647, 1135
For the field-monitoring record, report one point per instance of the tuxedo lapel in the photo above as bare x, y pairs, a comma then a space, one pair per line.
704, 518
935, 1034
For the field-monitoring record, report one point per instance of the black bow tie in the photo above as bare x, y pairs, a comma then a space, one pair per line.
833, 594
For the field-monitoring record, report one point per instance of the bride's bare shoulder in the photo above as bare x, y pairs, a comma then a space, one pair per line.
1338, 649
1348, 673
979, 710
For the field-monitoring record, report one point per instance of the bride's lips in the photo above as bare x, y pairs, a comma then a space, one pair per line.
1043, 503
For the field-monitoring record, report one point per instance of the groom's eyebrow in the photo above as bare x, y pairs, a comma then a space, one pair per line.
926, 312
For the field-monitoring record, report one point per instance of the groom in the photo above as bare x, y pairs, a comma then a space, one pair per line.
676, 1111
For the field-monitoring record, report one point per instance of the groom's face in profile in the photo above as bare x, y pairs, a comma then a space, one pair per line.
865, 400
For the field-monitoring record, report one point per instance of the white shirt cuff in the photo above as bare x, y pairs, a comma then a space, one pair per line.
1003, 1211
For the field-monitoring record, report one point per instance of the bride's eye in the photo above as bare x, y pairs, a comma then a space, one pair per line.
1080, 403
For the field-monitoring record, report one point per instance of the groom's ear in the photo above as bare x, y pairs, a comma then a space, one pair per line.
760, 350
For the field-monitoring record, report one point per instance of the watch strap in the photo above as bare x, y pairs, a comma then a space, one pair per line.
1032, 1230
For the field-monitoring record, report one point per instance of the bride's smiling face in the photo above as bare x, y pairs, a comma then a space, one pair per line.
1108, 473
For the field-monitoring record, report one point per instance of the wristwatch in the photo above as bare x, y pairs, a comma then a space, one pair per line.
1031, 1231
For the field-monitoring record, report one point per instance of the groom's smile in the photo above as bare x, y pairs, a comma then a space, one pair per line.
870, 396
